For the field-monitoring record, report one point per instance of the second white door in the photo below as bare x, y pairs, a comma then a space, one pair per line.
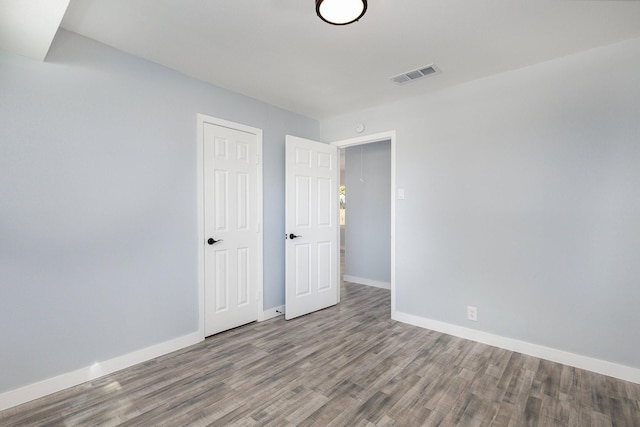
312, 226
231, 227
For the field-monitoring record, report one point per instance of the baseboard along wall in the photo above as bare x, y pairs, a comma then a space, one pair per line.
33, 391
368, 282
604, 367
273, 312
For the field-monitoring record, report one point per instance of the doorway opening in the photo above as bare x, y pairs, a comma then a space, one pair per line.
365, 232
369, 169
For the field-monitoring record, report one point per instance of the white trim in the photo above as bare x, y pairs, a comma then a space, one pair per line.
599, 366
367, 282
42, 388
200, 214
368, 139
260, 231
273, 312
202, 119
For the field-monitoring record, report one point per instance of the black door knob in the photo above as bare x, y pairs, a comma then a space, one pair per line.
293, 236
212, 241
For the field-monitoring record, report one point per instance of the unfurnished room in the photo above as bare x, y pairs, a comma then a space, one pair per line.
319, 213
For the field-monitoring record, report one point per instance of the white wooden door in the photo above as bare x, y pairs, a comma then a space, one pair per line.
312, 226
230, 228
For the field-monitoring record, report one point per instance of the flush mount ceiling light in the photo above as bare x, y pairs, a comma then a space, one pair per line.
340, 12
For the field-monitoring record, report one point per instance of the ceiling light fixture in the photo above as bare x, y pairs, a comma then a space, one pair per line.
340, 12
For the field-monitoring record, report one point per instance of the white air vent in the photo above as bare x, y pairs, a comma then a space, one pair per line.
419, 73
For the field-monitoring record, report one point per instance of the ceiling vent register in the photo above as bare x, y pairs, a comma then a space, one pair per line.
409, 76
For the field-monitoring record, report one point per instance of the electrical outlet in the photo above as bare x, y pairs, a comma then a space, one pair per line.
472, 313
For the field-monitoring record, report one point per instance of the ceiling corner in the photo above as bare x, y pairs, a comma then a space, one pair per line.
27, 27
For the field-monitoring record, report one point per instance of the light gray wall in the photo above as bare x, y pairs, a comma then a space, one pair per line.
98, 221
368, 220
522, 198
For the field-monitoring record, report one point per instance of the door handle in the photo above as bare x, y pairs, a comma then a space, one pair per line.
293, 236
213, 241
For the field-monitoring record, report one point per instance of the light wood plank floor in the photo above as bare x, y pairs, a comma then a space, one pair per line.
368, 370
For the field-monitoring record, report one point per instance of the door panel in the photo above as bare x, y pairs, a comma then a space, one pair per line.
312, 257
231, 220
221, 280
324, 202
243, 276
324, 266
243, 203
302, 267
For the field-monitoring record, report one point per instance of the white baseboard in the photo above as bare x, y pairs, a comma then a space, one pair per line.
42, 388
615, 370
368, 282
273, 312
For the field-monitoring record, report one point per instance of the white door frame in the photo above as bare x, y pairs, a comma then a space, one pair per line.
202, 119
369, 139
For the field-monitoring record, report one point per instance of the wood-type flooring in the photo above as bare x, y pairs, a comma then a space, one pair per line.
348, 365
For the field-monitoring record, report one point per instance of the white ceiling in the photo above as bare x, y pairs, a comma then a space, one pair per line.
280, 52
27, 27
